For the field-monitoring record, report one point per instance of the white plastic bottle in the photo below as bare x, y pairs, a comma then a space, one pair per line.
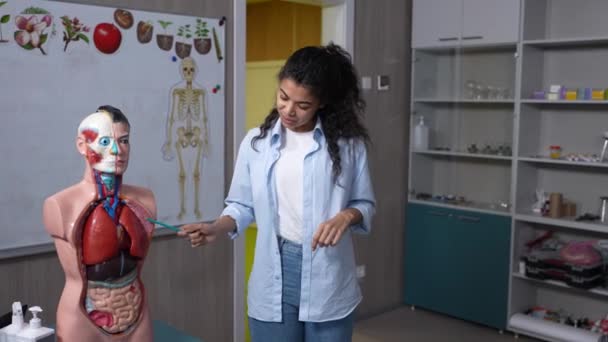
421, 136
19, 331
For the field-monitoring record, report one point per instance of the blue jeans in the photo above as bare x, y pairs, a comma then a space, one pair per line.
291, 329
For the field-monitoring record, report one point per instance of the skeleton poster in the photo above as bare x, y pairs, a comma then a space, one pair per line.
166, 72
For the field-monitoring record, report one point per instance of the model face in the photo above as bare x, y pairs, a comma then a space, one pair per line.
297, 106
107, 143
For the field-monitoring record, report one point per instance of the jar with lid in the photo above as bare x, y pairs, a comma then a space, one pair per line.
555, 151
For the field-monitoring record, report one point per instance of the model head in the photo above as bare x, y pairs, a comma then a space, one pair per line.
103, 138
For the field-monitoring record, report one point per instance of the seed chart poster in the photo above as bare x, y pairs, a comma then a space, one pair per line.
60, 61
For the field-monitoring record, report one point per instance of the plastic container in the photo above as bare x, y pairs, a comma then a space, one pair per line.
555, 151
421, 136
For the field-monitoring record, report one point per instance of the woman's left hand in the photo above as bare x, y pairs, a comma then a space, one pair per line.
330, 232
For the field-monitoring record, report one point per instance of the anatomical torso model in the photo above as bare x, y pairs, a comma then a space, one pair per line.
102, 237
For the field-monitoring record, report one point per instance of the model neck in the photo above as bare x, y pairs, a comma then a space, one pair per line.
108, 184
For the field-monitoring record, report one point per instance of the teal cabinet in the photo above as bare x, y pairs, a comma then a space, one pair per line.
457, 263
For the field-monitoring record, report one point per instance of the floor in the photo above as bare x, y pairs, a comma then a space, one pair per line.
405, 325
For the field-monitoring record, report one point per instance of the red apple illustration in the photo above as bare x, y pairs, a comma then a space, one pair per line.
107, 37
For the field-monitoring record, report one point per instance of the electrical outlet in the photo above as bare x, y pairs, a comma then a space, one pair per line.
366, 83
360, 271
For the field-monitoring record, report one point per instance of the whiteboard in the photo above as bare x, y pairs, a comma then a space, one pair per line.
48, 89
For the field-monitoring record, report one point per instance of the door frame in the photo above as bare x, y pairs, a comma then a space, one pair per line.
342, 34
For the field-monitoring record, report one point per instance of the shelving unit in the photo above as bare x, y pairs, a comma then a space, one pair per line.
457, 121
559, 42
559, 48
526, 292
463, 83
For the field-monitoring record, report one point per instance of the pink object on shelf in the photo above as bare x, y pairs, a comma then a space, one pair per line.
580, 253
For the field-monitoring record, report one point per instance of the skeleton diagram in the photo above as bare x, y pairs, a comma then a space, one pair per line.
188, 113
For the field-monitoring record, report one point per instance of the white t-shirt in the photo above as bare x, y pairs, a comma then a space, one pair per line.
290, 182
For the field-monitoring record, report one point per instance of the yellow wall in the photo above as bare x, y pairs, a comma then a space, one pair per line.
277, 28
260, 90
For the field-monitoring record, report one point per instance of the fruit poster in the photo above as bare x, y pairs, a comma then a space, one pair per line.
60, 61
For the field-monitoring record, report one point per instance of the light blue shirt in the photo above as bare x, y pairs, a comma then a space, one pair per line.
330, 289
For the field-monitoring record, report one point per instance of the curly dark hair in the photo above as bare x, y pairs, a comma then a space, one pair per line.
328, 73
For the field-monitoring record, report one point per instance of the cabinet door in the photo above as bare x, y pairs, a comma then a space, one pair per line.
426, 245
480, 253
457, 263
436, 23
490, 21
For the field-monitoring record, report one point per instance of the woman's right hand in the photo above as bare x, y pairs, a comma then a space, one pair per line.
203, 233
199, 233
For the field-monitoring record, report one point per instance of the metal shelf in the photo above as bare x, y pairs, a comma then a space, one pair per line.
562, 162
463, 155
560, 284
563, 43
465, 101
478, 208
565, 102
563, 222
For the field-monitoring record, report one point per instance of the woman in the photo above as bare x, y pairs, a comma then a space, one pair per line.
303, 177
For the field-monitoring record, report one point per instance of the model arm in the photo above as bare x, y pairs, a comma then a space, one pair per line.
205, 128
148, 201
53, 219
167, 148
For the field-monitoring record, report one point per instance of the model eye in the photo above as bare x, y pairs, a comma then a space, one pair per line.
104, 141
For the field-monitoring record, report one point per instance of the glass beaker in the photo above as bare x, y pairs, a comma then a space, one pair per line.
492, 92
470, 89
482, 92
